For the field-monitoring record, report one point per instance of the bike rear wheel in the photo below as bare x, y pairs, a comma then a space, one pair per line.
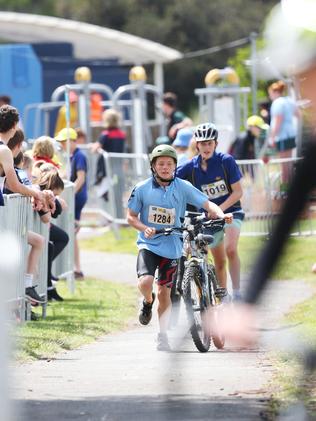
196, 305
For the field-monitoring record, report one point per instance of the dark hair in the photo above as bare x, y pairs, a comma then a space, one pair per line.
18, 159
51, 180
170, 98
16, 139
278, 86
5, 99
9, 116
27, 161
80, 132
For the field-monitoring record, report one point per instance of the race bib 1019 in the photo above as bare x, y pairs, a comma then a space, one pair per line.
215, 190
161, 216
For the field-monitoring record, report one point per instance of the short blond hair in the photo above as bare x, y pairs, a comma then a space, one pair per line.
111, 119
43, 147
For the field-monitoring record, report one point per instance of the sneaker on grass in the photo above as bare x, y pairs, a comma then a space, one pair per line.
145, 313
52, 295
32, 295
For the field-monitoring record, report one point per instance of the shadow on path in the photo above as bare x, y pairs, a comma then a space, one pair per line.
143, 408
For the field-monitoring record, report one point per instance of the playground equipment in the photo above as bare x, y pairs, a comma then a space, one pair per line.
225, 103
83, 88
137, 111
131, 100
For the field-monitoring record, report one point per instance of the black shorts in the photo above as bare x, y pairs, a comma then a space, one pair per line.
148, 262
285, 144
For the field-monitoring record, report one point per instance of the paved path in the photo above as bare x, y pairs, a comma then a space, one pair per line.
110, 267
122, 377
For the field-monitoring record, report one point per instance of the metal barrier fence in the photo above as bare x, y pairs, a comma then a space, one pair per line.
123, 171
10, 254
64, 263
255, 202
35, 224
14, 220
280, 173
17, 217
264, 190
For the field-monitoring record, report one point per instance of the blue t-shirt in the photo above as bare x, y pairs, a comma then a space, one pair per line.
79, 163
285, 107
215, 182
162, 207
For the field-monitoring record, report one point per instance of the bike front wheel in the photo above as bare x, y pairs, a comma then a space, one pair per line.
216, 335
196, 305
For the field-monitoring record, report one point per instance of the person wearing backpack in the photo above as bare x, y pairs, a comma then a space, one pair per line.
217, 175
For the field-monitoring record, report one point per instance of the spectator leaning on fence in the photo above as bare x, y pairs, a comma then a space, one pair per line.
43, 150
48, 178
9, 118
78, 176
36, 241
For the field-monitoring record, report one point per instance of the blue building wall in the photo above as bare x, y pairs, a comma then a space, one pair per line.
21, 75
59, 65
30, 73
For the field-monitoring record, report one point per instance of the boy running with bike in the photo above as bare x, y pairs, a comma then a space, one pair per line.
160, 202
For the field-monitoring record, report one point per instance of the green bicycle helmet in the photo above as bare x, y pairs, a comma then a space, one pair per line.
163, 150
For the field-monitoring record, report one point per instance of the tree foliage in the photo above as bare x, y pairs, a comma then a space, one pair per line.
186, 25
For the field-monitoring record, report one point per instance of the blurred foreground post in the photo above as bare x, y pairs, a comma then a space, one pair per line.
9, 258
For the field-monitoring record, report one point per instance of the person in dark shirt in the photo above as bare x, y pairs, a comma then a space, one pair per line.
112, 138
176, 119
243, 146
78, 176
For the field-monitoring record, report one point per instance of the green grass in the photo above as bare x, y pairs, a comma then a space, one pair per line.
110, 244
295, 263
96, 308
296, 260
287, 384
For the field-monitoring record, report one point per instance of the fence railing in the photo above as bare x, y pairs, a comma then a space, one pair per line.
64, 263
123, 171
264, 190
18, 218
14, 220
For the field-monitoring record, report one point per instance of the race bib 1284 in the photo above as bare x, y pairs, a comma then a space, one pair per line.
161, 216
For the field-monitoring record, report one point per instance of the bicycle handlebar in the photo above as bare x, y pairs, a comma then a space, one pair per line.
168, 231
200, 218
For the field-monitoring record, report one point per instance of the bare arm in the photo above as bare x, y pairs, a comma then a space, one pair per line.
186, 122
134, 221
12, 181
276, 128
81, 176
233, 197
214, 212
95, 146
62, 202
46, 217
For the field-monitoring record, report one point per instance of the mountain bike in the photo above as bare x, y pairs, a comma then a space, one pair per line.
196, 280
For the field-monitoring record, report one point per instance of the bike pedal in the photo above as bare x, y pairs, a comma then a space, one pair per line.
220, 292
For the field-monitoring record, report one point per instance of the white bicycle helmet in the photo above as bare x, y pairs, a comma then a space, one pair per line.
205, 132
